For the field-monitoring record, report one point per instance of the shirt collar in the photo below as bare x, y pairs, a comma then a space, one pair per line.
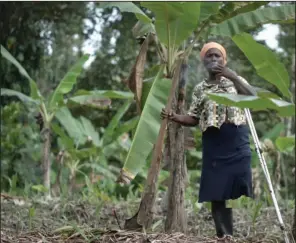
209, 85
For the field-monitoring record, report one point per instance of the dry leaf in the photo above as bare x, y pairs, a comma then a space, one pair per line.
135, 80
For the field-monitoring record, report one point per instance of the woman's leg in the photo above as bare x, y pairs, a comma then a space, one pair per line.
222, 218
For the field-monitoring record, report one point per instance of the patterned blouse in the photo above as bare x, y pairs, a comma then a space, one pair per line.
211, 113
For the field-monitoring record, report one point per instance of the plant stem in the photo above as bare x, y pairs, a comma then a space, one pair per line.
46, 159
169, 53
158, 49
44, 112
145, 213
188, 50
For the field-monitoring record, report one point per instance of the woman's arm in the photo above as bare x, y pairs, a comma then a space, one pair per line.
184, 120
241, 85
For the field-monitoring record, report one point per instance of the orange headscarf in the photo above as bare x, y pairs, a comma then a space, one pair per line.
211, 45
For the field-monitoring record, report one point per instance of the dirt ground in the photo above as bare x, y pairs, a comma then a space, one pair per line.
80, 221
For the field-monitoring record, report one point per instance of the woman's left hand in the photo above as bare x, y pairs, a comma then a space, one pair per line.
221, 70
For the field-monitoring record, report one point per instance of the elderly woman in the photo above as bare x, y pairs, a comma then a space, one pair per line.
226, 167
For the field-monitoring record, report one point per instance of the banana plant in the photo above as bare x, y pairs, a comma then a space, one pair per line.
176, 22
81, 141
49, 107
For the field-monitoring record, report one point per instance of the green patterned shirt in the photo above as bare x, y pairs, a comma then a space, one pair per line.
208, 112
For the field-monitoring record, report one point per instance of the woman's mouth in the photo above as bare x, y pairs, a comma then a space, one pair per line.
212, 65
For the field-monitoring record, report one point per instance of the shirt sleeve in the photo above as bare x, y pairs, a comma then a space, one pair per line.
195, 106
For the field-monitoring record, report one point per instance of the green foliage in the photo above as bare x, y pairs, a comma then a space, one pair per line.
24, 98
112, 94
148, 126
67, 83
35, 94
282, 107
78, 130
174, 21
207, 9
247, 19
107, 138
274, 132
31, 215
20, 144
285, 143
140, 29
265, 62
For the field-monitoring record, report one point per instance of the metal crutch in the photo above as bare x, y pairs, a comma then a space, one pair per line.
265, 170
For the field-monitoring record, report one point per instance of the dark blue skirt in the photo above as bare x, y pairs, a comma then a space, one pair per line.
226, 169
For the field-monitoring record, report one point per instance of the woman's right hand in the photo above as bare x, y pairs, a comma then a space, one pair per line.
167, 114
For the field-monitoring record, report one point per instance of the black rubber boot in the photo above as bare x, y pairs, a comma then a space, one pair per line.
228, 221
222, 218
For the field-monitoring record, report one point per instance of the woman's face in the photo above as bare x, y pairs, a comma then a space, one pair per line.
212, 58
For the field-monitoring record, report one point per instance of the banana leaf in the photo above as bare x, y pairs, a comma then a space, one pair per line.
148, 126
111, 94
249, 20
265, 62
125, 127
89, 100
90, 131
243, 101
285, 143
67, 83
174, 21
34, 92
78, 129
208, 9
231, 9
24, 98
73, 126
65, 140
108, 133
274, 132
141, 28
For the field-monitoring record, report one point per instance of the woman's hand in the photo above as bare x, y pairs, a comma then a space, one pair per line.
221, 70
184, 120
167, 114
242, 88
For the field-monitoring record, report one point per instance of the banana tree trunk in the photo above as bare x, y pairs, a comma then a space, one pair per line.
46, 160
144, 216
290, 132
294, 225
176, 219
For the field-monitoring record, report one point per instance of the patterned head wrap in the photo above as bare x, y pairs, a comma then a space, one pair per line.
211, 45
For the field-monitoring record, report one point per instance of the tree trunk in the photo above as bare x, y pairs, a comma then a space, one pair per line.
293, 119
144, 216
46, 161
294, 225
176, 220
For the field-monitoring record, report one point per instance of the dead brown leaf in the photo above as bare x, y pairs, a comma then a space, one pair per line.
135, 80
